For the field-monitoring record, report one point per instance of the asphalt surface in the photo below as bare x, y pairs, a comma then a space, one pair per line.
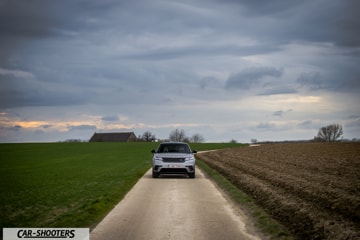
174, 207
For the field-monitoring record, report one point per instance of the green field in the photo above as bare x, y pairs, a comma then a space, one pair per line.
70, 184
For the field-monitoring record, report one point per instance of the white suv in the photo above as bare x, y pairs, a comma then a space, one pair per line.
173, 158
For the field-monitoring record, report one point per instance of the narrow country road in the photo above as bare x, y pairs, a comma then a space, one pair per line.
174, 207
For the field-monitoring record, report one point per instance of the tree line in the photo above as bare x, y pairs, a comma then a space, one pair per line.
329, 133
177, 135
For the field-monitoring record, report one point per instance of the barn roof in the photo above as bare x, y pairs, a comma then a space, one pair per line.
113, 137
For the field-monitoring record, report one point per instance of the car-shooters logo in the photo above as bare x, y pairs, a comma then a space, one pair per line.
46, 233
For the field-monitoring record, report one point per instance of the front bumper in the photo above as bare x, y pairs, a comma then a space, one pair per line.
174, 168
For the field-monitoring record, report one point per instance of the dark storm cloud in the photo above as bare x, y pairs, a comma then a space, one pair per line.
42, 18
322, 20
349, 24
24, 92
27, 19
250, 77
24, 21
316, 21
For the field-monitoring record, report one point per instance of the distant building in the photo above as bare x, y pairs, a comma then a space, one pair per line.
114, 137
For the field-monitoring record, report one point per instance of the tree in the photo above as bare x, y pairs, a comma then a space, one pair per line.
197, 138
177, 135
330, 133
148, 137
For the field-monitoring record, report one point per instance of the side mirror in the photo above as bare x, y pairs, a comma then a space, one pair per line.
153, 151
194, 151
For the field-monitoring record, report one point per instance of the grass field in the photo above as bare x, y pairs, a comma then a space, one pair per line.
70, 184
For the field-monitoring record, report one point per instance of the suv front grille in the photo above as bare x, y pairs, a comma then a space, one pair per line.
173, 159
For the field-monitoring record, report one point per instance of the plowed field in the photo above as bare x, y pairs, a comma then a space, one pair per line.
312, 188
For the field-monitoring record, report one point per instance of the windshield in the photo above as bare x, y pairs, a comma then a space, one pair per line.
173, 148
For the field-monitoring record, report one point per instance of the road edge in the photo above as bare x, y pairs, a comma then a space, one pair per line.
263, 223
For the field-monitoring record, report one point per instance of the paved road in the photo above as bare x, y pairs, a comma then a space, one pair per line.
174, 207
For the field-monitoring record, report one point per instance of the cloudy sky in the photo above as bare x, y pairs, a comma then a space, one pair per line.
226, 69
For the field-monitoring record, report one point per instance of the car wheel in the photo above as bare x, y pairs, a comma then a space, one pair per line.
155, 174
191, 175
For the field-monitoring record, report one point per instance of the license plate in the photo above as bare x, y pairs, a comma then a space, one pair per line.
174, 166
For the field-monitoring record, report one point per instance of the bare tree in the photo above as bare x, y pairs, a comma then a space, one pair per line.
330, 133
197, 138
148, 137
177, 135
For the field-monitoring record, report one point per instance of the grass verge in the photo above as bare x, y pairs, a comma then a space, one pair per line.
268, 226
214, 146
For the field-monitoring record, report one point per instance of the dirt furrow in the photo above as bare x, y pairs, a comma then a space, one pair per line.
311, 209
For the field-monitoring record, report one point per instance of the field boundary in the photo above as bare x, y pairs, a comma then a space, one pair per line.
268, 226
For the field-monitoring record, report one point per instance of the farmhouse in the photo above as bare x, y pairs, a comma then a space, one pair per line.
114, 137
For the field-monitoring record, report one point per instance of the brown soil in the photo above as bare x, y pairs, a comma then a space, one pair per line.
312, 188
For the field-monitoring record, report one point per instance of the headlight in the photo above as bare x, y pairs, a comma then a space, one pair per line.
157, 158
191, 158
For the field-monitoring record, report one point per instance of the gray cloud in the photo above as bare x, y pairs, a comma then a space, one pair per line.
15, 128
82, 127
336, 77
278, 113
351, 85
110, 118
281, 113
349, 24
353, 124
306, 124
25, 19
315, 21
312, 80
266, 126
354, 117
277, 89
164, 53
22, 92
250, 77
209, 82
